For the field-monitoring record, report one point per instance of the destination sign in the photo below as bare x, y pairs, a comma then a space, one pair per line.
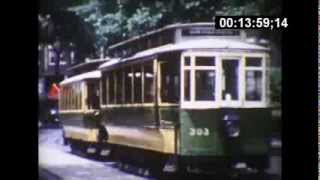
209, 31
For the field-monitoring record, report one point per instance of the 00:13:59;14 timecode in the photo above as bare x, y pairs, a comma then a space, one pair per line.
250, 22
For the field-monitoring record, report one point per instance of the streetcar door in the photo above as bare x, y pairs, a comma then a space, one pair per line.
230, 80
93, 95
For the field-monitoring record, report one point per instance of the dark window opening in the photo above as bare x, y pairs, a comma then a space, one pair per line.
104, 89
170, 85
75, 96
253, 61
187, 61
230, 70
80, 95
205, 61
128, 84
148, 83
205, 85
187, 85
253, 85
111, 88
137, 84
93, 95
119, 87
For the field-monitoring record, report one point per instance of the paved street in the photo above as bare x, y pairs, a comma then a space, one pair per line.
57, 162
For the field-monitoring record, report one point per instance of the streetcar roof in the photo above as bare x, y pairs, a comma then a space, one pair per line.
110, 63
171, 26
89, 75
191, 44
93, 61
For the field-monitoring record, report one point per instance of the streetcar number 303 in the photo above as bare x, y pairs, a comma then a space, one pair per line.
199, 132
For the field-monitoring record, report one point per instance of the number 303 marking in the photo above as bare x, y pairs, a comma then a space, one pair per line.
199, 132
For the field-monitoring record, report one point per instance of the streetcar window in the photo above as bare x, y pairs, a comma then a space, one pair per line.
119, 87
61, 98
187, 85
253, 61
253, 85
76, 95
253, 77
65, 97
71, 97
148, 83
230, 79
79, 95
205, 61
187, 61
205, 85
93, 95
75, 101
137, 84
169, 82
81, 91
111, 89
103, 89
128, 84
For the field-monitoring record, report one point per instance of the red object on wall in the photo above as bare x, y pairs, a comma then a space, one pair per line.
54, 92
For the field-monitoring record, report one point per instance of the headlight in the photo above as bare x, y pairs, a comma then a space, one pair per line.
233, 130
232, 125
53, 111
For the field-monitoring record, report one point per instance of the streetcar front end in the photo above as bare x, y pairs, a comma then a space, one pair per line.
225, 116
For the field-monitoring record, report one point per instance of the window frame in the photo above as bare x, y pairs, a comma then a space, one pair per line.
152, 63
71, 102
159, 73
240, 79
263, 69
131, 66
103, 93
51, 56
192, 103
219, 56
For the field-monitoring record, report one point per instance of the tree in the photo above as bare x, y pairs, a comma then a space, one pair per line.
112, 23
56, 22
114, 20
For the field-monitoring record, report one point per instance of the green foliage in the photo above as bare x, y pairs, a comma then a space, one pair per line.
105, 27
143, 19
113, 22
112, 27
243, 10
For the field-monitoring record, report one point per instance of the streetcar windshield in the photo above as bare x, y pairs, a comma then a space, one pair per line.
230, 76
205, 85
215, 80
93, 95
253, 78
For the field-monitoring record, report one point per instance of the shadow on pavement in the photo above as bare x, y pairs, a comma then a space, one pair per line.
47, 175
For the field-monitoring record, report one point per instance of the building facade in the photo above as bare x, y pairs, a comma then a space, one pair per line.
53, 61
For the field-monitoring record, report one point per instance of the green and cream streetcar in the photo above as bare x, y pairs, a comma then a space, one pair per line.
79, 112
192, 96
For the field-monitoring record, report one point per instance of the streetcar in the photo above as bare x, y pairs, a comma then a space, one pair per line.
79, 113
188, 97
